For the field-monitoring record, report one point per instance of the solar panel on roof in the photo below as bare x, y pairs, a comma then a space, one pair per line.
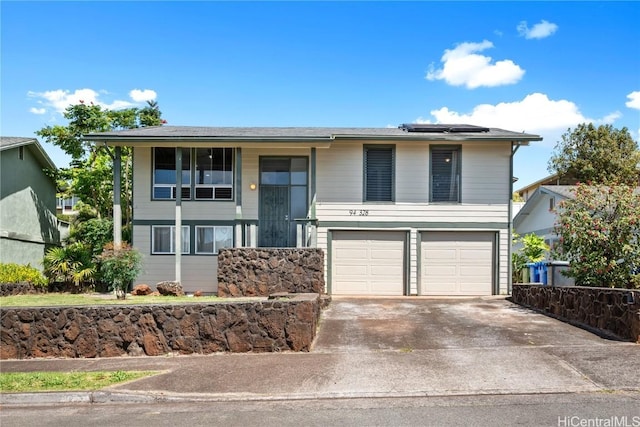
441, 128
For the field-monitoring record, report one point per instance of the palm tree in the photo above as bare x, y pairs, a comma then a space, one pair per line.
70, 266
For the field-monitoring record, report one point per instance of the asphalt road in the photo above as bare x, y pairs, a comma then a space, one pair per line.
560, 410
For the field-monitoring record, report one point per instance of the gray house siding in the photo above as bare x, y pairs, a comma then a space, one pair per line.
28, 225
484, 205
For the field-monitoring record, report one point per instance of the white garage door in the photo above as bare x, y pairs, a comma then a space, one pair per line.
457, 263
367, 263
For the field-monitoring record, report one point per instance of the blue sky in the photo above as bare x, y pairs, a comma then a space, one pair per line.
539, 67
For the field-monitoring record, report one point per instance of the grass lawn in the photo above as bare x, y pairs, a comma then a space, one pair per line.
22, 382
38, 300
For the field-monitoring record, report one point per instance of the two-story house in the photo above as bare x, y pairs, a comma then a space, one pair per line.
413, 210
28, 224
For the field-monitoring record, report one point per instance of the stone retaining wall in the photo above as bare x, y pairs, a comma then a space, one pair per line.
262, 271
22, 288
284, 323
612, 311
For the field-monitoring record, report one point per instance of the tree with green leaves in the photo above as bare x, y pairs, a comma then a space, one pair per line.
597, 155
90, 178
90, 174
599, 234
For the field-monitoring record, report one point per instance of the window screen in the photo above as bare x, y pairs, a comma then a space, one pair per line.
445, 174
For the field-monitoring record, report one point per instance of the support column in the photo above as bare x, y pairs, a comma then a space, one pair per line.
239, 228
178, 225
117, 208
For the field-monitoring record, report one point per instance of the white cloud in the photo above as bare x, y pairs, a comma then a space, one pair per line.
535, 113
60, 99
143, 95
464, 66
634, 100
609, 119
539, 31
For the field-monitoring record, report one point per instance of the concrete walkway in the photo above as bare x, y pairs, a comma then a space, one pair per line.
381, 347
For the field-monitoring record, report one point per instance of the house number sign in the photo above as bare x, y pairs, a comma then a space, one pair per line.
358, 212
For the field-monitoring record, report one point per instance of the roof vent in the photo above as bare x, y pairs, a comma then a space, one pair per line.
439, 128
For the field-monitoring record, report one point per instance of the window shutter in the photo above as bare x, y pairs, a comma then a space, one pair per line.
378, 174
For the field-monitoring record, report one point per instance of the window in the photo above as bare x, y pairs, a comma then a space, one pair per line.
66, 205
164, 173
445, 174
378, 173
212, 170
163, 239
552, 204
210, 239
214, 173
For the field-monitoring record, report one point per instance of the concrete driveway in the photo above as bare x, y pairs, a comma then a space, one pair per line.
404, 324
470, 345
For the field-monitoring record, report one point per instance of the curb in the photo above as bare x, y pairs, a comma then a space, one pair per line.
107, 397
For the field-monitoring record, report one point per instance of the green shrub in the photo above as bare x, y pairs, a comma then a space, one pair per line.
16, 273
533, 250
71, 266
598, 234
120, 267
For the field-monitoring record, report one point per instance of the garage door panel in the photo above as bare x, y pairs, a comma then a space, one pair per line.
351, 270
376, 258
474, 271
474, 255
351, 253
457, 263
441, 254
357, 286
442, 271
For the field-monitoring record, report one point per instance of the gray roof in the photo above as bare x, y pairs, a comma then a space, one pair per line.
298, 133
8, 142
566, 191
563, 191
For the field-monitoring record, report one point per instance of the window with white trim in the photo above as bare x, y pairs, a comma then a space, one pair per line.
212, 170
164, 173
163, 239
209, 238
445, 174
214, 174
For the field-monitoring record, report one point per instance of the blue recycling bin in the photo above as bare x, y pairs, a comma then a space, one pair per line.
542, 272
538, 272
534, 276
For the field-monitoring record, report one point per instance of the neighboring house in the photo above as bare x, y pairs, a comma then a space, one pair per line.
28, 224
551, 180
414, 210
538, 214
65, 205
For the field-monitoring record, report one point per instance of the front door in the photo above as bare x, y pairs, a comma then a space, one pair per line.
283, 199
